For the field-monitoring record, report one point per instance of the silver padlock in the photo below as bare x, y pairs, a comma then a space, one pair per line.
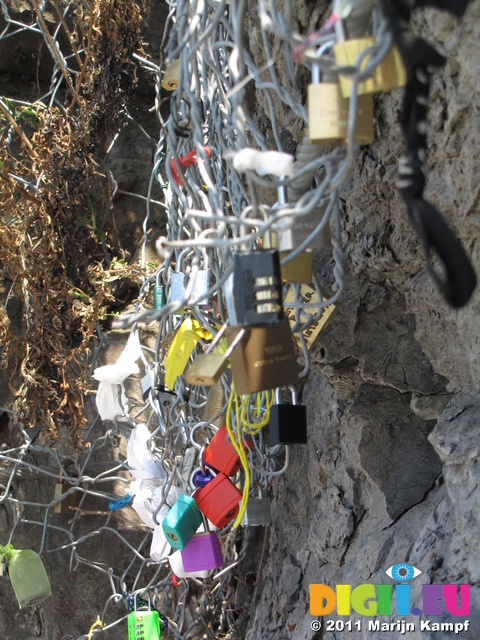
201, 284
293, 230
257, 513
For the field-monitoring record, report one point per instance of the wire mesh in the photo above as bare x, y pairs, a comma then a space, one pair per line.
214, 208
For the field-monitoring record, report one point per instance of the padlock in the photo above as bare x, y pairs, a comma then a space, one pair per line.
200, 285
201, 478
143, 624
257, 513
159, 296
389, 74
69, 502
181, 521
207, 368
299, 270
293, 230
265, 359
203, 552
253, 293
288, 422
219, 501
164, 395
328, 113
220, 454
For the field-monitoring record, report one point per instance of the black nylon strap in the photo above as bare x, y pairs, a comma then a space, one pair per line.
458, 279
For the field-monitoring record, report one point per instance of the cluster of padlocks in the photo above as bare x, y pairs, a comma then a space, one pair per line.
238, 296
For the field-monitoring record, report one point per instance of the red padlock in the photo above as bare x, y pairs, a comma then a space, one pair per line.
219, 500
220, 454
187, 160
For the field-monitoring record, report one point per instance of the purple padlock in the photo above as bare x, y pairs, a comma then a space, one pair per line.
201, 479
202, 553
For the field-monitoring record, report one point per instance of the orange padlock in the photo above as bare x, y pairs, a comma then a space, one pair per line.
219, 500
220, 454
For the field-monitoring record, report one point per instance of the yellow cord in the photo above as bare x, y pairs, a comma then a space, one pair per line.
97, 623
254, 427
241, 454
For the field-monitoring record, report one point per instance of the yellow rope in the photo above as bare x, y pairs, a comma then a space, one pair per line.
97, 623
254, 427
241, 454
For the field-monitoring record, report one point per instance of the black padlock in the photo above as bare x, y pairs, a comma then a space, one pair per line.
288, 422
253, 293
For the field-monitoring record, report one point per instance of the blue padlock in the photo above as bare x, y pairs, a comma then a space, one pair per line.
181, 522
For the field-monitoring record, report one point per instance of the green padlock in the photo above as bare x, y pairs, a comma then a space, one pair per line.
181, 522
159, 295
143, 624
27, 575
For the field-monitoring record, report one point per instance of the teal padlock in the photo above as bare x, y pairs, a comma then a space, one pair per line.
181, 522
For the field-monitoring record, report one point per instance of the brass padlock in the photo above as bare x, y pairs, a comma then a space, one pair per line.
299, 270
69, 502
328, 114
207, 367
265, 359
389, 74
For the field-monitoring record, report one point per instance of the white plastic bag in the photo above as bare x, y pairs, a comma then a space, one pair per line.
111, 375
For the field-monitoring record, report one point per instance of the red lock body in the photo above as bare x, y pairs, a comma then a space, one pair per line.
219, 500
220, 454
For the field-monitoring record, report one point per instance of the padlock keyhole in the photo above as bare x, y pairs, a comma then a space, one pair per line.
172, 536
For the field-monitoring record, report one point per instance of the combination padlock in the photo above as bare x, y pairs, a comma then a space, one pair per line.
288, 422
328, 113
182, 521
389, 74
253, 293
220, 454
143, 624
266, 358
203, 552
293, 230
219, 500
207, 368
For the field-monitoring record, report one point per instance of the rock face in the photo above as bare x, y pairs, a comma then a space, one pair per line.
390, 473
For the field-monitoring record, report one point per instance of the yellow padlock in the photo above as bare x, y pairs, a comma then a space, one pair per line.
389, 74
328, 114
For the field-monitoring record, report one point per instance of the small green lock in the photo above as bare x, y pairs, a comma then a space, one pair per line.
159, 295
143, 624
181, 522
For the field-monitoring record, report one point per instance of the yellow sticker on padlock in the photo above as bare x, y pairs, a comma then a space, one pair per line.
389, 74
309, 296
183, 344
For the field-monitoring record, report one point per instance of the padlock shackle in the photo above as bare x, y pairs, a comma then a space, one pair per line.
139, 594
316, 74
216, 339
197, 426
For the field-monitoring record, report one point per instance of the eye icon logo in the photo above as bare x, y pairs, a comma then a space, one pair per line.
402, 572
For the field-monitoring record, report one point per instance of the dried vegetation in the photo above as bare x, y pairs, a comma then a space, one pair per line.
54, 195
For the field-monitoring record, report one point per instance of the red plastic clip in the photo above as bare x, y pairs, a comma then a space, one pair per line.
187, 160
174, 580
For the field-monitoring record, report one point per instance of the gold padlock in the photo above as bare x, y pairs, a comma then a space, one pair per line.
207, 367
328, 114
265, 359
389, 74
299, 270
67, 504
170, 79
